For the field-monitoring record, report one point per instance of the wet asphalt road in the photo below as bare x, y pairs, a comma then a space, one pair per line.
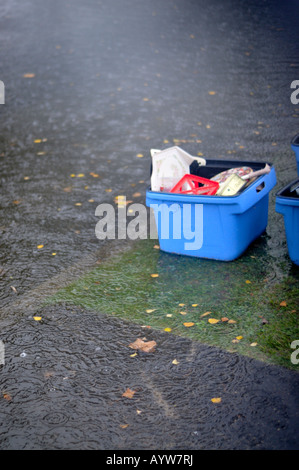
89, 86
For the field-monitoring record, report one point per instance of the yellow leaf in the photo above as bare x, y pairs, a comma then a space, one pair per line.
169, 315
154, 275
205, 314
80, 175
29, 75
150, 310
213, 320
283, 303
157, 247
90, 200
37, 141
231, 321
133, 355
37, 318
182, 305
167, 329
253, 344
139, 155
216, 400
239, 337
78, 204
194, 305
188, 324
138, 412
123, 426
248, 282
212, 92
53, 254
175, 362
40, 246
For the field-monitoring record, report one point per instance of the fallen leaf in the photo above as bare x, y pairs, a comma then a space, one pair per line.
37, 318
138, 412
182, 305
224, 319
248, 282
154, 275
16, 202
6, 396
40, 246
29, 75
123, 426
136, 194
194, 305
80, 175
239, 337
183, 313
129, 393
213, 320
188, 324
150, 310
157, 247
205, 314
212, 92
167, 330
145, 346
283, 303
231, 321
253, 344
139, 155
216, 400
175, 362
14, 289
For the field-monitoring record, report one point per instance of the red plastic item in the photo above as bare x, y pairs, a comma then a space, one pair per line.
207, 187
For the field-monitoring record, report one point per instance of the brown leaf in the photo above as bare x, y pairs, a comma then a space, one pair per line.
145, 346
129, 393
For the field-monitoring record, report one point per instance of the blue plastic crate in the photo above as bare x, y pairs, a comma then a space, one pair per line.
214, 227
295, 147
288, 206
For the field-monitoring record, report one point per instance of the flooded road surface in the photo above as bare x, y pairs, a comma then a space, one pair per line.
90, 88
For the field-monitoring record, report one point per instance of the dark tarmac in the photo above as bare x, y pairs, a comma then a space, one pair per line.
90, 87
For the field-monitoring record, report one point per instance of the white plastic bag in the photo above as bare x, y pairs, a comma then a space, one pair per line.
169, 166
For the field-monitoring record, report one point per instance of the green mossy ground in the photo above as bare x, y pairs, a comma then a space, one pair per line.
240, 291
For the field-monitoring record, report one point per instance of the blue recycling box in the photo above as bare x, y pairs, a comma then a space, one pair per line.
295, 147
288, 205
214, 227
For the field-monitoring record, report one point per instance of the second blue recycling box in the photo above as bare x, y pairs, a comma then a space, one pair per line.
214, 227
287, 204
